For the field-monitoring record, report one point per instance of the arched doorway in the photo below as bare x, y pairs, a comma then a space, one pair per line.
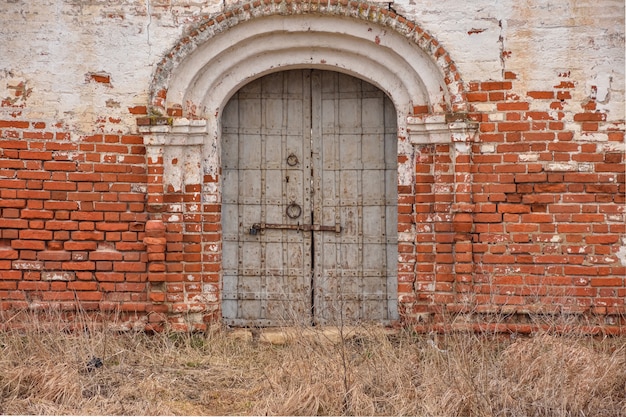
309, 201
225, 52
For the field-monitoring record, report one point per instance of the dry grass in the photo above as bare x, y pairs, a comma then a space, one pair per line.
369, 372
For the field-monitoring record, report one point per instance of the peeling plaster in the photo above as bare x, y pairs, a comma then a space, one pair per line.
621, 255
599, 87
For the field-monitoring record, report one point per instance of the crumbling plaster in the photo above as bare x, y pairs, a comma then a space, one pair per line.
50, 48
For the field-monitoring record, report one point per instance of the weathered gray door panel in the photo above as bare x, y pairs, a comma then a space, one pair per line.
354, 271
266, 276
309, 148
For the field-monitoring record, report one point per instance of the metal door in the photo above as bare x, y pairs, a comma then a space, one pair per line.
309, 202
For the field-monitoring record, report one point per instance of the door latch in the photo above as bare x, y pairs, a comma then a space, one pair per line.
256, 227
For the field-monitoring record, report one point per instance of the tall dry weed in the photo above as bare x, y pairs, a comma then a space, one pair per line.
561, 376
353, 371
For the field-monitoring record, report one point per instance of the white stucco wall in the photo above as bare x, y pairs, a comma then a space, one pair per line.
49, 48
537, 40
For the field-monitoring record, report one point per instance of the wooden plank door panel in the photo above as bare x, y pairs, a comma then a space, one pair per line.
325, 142
266, 275
355, 271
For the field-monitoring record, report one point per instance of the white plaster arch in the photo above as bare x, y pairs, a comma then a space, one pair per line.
215, 70
226, 51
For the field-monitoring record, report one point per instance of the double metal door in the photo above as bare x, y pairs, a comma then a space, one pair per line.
309, 202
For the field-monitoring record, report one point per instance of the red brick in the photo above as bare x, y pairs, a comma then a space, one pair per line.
590, 126
33, 194
610, 168
87, 235
59, 166
33, 286
512, 106
28, 244
78, 266
8, 253
513, 208
17, 124
477, 96
36, 234
487, 218
61, 225
496, 96
12, 183
538, 136
537, 218
56, 255
78, 246
112, 226
138, 110
105, 255
552, 259
109, 276
513, 126
590, 117
602, 239
36, 214
101, 78
106, 206
133, 307
519, 210
82, 286
607, 282
58, 296
12, 203
13, 223
563, 95
129, 267
130, 287
543, 95
550, 188
88, 295
9, 275
57, 185
39, 155
495, 85
497, 259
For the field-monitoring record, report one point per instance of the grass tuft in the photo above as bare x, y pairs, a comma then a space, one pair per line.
356, 371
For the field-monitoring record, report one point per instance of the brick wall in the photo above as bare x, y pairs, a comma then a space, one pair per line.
549, 195
72, 220
526, 220
542, 230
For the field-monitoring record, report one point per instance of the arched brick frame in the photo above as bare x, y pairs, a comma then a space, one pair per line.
202, 33
223, 52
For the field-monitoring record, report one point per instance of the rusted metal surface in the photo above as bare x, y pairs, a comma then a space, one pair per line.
257, 227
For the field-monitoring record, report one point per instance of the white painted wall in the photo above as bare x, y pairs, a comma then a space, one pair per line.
48, 46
